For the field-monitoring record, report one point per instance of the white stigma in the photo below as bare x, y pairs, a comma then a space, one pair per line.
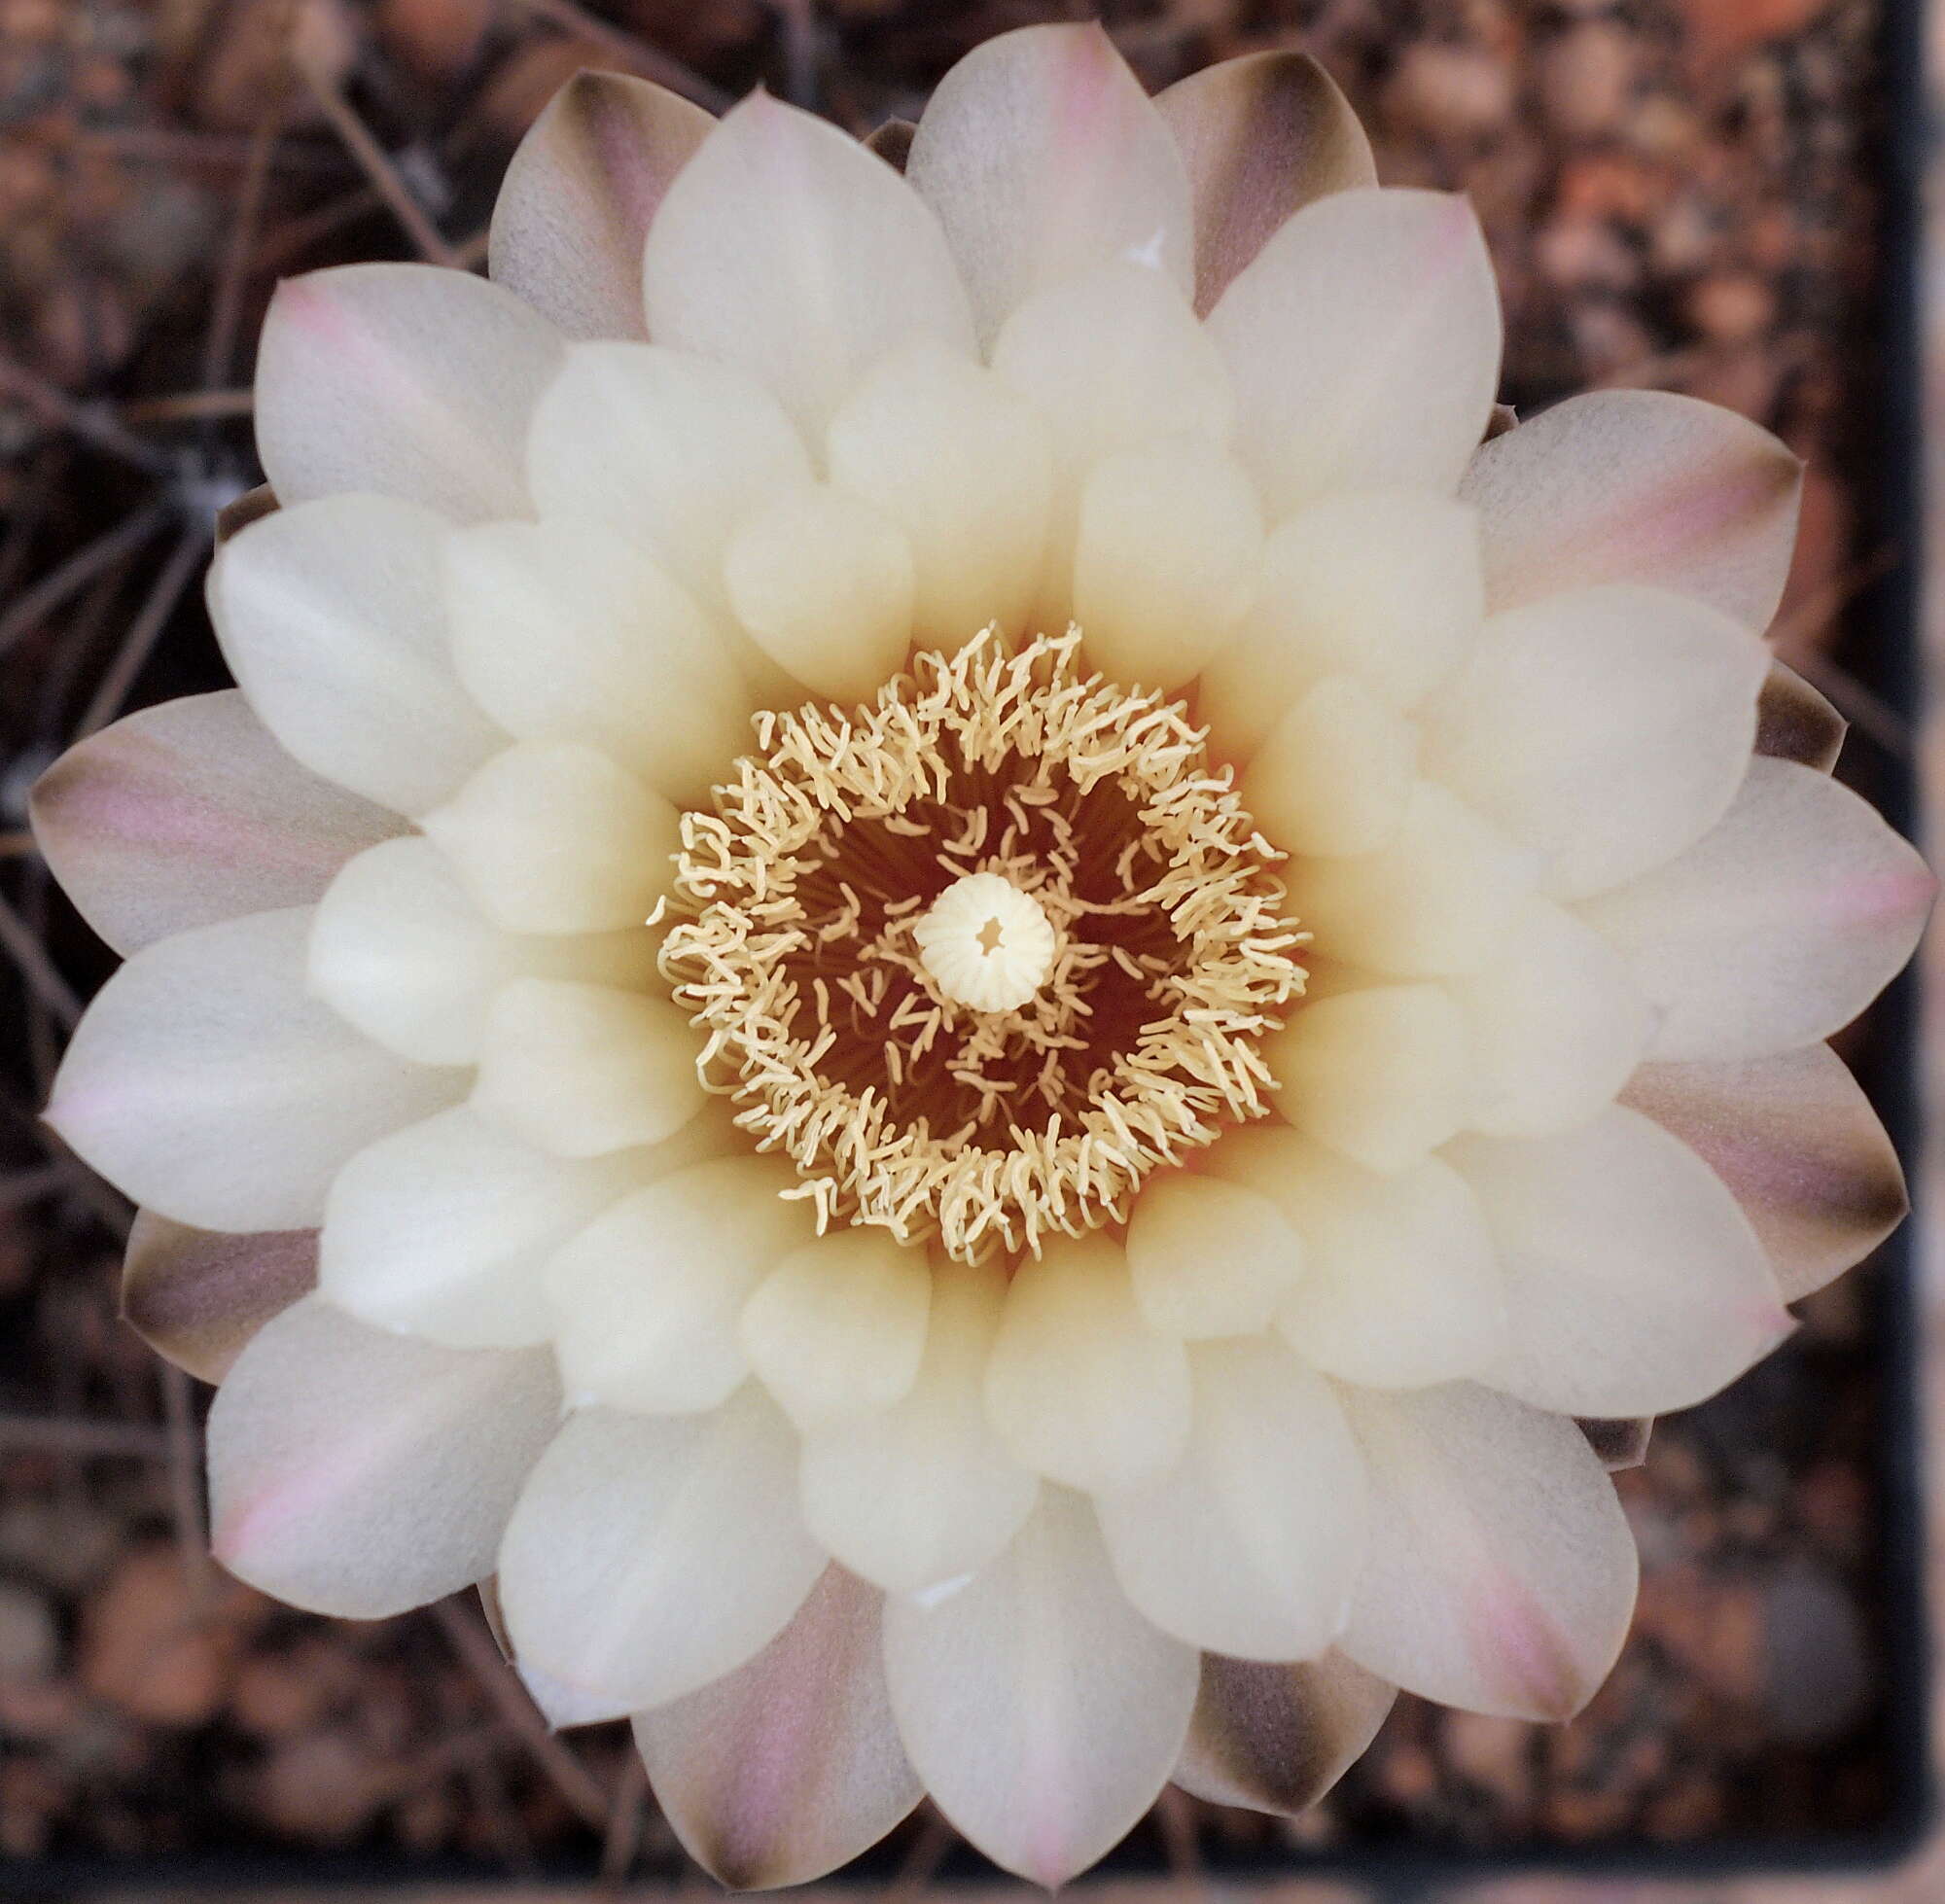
985, 943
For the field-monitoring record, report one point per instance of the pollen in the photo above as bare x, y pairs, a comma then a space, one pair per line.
985, 943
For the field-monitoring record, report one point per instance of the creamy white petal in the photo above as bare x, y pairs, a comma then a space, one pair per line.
792, 1765
197, 1297
1635, 1285
1556, 1025
1251, 1547
208, 1084
333, 618
650, 1555
188, 814
565, 631
1042, 155
1335, 773
965, 467
784, 247
1380, 1074
1166, 552
1079, 1388
1381, 583
1401, 1285
838, 1329
580, 193
1209, 1258
1040, 1709
925, 1492
825, 584
1775, 928
1607, 728
1439, 897
552, 836
1364, 345
1799, 1148
1501, 1573
404, 380
1639, 486
580, 1070
442, 1229
646, 1301
359, 1473
399, 950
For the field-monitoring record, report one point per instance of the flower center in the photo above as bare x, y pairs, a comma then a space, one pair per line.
981, 956
985, 943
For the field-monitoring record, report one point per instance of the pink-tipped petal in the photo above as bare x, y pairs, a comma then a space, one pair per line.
1042, 156
575, 208
1364, 345
359, 1473
1261, 137
197, 1296
1799, 1148
783, 247
1277, 1738
188, 814
1501, 1573
792, 1765
209, 1085
1638, 485
1794, 722
1043, 1713
404, 380
1778, 926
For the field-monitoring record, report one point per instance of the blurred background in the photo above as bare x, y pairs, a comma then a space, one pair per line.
1717, 196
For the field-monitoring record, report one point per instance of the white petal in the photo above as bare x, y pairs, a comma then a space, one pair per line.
1799, 1148
442, 1229
403, 379
357, 1473
925, 1492
1166, 552
1042, 155
1383, 585
1635, 1284
1400, 1287
552, 836
825, 584
199, 1298
188, 814
1364, 344
838, 1329
400, 951
646, 1301
1040, 1709
1078, 1386
1639, 486
207, 1083
333, 618
1379, 1074
580, 1070
1251, 1546
1336, 773
575, 206
666, 448
1775, 928
564, 631
1607, 728
965, 467
1556, 1025
650, 1555
787, 248
1209, 1258
1439, 897
792, 1765
1500, 1573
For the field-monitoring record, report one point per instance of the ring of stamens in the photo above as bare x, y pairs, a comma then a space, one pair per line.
793, 942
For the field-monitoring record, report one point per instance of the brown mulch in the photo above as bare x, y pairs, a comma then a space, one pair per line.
1679, 193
